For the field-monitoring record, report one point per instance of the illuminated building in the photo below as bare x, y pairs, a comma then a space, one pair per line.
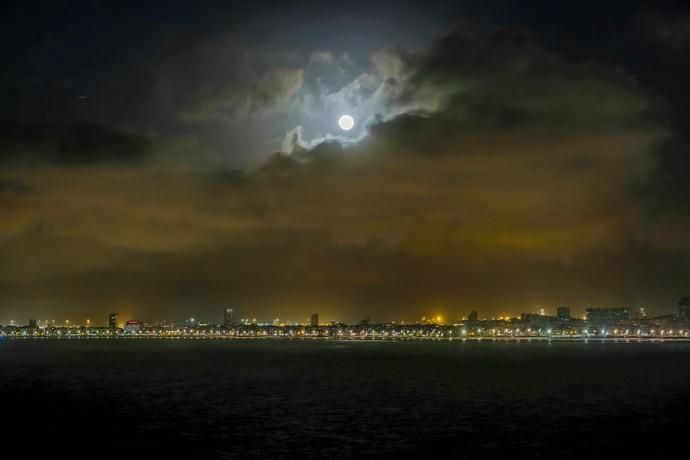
563, 313
227, 317
607, 314
132, 326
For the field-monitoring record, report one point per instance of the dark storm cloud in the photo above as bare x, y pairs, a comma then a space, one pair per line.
668, 31
664, 45
504, 80
23, 144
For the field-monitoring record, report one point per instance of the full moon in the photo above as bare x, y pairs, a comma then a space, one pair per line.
346, 122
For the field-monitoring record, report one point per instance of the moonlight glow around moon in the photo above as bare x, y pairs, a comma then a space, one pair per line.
346, 122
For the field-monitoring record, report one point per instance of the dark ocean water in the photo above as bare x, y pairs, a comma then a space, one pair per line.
326, 399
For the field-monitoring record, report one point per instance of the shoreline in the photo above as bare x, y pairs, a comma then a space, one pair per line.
366, 339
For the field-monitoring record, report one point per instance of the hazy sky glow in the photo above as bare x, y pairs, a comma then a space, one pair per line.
501, 159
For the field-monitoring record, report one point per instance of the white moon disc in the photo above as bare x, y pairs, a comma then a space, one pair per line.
346, 122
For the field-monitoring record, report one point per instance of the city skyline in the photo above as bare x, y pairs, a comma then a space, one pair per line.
602, 324
229, 317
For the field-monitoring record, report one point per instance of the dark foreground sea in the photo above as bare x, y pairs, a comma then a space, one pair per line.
328, 399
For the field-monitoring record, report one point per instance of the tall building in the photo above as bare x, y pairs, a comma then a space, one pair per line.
473, 316
227, 317
684, 308
314, 319
563, 313
33, 324
112, 320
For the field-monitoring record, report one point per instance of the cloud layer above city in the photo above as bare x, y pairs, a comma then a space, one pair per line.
487, 170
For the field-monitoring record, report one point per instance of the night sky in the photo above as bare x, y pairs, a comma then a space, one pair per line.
166, 160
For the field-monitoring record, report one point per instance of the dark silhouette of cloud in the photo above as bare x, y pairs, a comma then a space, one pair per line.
67, 145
